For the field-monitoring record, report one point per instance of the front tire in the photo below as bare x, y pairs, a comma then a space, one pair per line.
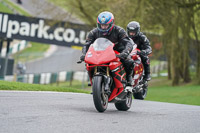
126, 104
99, 97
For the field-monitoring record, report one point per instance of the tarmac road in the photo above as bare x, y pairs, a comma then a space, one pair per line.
57, 112
63, 59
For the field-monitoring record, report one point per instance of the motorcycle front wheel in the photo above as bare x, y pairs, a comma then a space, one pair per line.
100, 98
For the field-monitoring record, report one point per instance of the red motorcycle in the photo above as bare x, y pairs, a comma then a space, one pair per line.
108, 77
140, 86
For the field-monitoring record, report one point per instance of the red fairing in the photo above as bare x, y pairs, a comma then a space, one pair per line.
115, 92
138, 71
100, 57
138, 67
118, 75
114, 65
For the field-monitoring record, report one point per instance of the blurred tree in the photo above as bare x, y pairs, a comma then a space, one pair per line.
190, 9
87, 10
123, 10
164, 15
195, 24
176, 20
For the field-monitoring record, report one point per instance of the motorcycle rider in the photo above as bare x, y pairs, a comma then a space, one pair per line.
133, 31
107, 29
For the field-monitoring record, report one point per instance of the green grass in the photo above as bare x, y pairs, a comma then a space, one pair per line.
3, 8
160, 89
17, 8
74, 84
5, 85
35, 51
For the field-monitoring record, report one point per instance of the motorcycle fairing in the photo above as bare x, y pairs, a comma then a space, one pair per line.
99, 57
119, 77
115, 93
118, 73
138, 67
100, 52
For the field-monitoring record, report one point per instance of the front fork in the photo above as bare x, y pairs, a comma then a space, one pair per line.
107, 79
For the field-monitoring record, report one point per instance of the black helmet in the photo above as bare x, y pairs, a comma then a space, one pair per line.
133, 26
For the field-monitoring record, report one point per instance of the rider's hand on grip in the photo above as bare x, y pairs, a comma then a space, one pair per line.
123, 55
139, 53
142, 52
78, 62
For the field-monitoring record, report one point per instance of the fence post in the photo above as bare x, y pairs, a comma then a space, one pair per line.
69, 77
1, 45
6, 58
83, 80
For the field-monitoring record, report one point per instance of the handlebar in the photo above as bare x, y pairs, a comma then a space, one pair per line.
117, 55
139, 53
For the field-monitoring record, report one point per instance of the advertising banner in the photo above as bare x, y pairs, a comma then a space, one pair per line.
42, 30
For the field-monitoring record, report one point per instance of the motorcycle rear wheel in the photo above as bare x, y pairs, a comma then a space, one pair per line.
126, 104
100, 98
141, 95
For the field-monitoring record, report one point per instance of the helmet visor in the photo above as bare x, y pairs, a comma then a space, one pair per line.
132, 33
104, 27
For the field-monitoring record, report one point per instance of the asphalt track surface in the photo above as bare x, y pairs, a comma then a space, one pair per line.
57, 112
63, 59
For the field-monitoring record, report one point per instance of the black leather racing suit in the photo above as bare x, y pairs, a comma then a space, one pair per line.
143, 44
122, 44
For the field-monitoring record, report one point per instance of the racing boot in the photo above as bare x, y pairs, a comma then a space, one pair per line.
129, 77
147, 76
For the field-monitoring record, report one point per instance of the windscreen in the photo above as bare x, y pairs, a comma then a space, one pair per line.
101, 44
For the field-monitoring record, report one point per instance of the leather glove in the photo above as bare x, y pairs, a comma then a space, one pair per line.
142, 53
123, 55
82, 58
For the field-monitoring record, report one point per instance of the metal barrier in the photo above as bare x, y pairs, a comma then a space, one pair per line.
46, 78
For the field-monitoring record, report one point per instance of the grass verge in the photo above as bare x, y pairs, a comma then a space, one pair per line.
6, 85
3, 8
160, 89
35, 51
17, 8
